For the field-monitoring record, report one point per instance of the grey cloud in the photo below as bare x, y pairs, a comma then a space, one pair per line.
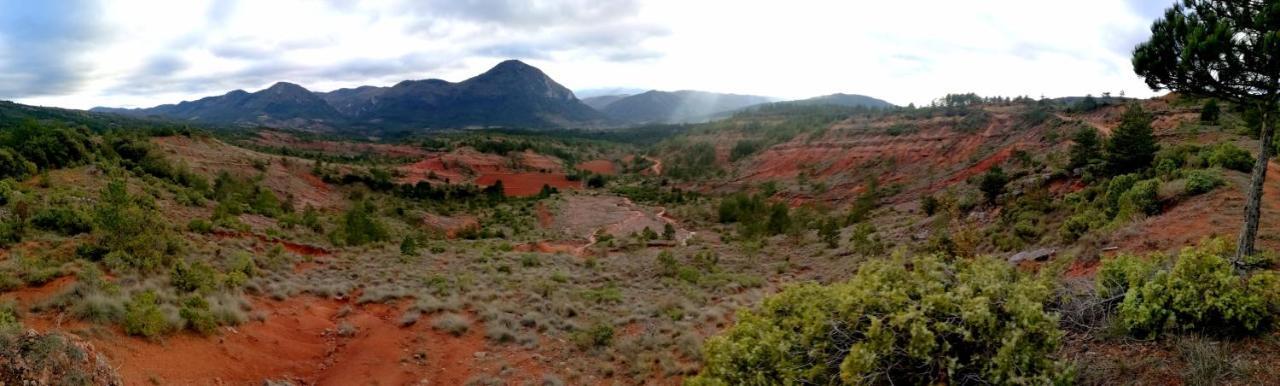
525, 13
42, 45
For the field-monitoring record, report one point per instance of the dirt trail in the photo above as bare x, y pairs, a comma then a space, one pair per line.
657, 165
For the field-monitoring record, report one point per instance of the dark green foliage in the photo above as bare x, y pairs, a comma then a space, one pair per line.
692, 161
14, 165
929, 204
63, 220
1140, 200
668, 231
195, 310
143, 317
598, 335
1131, 146
745, 148
1088, 104
409, 247
131, 230
754, 215
1228, 156
1203, 181
596, 181
1201, 292
779, 219
992, 184
1086, 149
197, 277
907, 321
361, 225
829, 232
1116, 188
1210, 112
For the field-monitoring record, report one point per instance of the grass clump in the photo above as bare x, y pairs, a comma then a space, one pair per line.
909, 320
452, 323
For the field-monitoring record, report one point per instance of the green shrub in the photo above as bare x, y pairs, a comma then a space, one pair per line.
1200, 292
198, 277
598, 335
200, 226
910, 320
63, 220
1116, 188
1141, 199
195, 310
142, 316
1203, 181
1229, 156
361, 225
9, 317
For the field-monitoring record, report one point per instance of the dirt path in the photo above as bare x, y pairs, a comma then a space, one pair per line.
657, 165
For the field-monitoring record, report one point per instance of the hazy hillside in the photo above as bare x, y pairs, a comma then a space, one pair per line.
677, 106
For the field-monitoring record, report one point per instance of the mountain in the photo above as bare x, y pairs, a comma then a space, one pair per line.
281, 105
602, 101
851, 100
677, 106
511, 94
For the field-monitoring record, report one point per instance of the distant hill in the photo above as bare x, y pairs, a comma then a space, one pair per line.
677, 106
12, 114
511, 94
600, 102
851, 100
281, 105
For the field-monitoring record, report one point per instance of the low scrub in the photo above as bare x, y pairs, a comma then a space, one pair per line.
906, 320
1199, 290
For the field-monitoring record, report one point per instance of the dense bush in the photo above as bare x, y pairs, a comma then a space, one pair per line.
913, 321
143, 316
361, 225
1200, 292
131, 230
1229, 156
1140, 200
1203, 181
14, 165
64, 220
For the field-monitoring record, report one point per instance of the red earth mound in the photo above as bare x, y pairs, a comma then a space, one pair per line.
301, 341
600, 166
527, 184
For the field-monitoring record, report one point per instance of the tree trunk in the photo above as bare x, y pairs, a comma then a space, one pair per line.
1253, 207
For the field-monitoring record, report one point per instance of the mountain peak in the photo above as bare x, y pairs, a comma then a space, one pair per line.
285, 87
513, 65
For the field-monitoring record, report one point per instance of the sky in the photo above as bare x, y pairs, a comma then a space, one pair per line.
140, 53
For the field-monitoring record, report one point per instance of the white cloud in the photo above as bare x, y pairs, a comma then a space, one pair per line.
906, 51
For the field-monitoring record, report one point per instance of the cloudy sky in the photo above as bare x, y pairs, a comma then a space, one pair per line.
85, 53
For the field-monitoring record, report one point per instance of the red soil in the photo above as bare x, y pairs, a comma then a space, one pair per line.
551, 247
278, 139
449, 226
600, 166
544, 216
28, 296
296, 248
421, 170
527, 184
299, 341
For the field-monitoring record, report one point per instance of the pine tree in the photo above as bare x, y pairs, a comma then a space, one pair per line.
1131, 146
1210, 112
1227, 50
1086, 149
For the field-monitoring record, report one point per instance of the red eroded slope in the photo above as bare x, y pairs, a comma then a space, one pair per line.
527, 184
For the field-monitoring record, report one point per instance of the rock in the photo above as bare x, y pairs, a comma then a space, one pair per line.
1041, 254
